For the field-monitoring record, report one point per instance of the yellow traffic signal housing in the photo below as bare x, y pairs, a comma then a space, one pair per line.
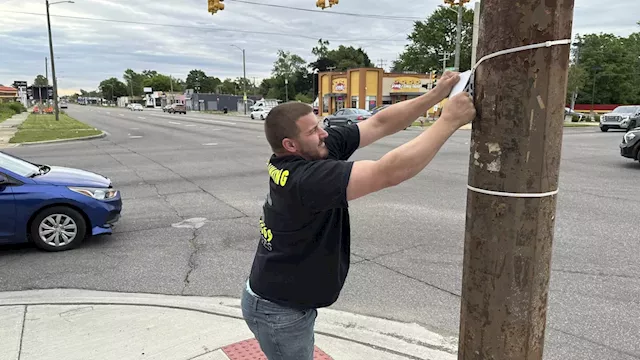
321, 4
333, 2
215, 5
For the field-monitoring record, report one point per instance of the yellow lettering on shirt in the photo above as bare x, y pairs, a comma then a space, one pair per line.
266, 232
279, 176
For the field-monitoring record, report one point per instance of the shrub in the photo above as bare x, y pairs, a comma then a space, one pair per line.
575, 118
6, 112
17, 107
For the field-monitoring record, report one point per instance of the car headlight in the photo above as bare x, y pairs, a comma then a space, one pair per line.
629, 136
96, 193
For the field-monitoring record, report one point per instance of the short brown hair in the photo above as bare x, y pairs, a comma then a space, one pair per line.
282, 121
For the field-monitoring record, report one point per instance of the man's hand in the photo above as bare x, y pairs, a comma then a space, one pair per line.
446, 83
459, 110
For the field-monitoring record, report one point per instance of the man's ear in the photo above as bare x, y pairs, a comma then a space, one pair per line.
289, 145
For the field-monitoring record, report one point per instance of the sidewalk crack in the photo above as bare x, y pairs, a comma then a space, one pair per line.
24, 320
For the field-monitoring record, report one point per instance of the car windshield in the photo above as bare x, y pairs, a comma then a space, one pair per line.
361, 112
626, 109
17, 166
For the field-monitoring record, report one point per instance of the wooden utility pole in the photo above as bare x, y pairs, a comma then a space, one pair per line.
515, 155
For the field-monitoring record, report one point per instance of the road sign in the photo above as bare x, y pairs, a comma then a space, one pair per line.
19, 84
450, 69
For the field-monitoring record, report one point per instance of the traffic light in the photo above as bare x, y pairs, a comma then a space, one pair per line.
215, 5
333, 2
321, 4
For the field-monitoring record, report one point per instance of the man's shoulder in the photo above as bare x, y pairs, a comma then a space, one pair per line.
342, 141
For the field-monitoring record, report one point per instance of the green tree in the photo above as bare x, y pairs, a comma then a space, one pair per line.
197, 78
577, 80
112, 88
157, 82
342, 58
434, 36
230, 87
287, 69
40, 81
135, 82
611, 65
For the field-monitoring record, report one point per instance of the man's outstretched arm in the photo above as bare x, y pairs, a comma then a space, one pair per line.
398, 116
407, 160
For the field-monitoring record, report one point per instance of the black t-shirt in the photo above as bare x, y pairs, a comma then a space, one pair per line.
303, 255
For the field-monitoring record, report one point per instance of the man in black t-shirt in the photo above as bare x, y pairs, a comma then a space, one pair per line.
303, 254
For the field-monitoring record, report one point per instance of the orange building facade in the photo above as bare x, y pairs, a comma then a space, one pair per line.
8, 94
367, 88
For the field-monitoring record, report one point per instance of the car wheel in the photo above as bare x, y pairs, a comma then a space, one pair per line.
261, 117
632, 125
327, 123
604, 129
252, 118
349, 122
58, 228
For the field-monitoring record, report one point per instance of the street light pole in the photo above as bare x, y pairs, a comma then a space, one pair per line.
456, 63
244, 77
53, 66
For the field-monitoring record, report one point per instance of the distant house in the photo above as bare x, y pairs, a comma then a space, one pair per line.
8, 94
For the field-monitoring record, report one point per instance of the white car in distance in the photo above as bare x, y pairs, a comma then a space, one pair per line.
260, 114
135, 107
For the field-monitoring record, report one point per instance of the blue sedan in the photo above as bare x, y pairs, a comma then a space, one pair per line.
54, 207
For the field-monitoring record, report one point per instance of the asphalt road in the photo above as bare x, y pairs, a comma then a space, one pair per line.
407, 242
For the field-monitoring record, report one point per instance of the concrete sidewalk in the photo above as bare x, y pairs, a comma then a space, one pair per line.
9, 127
82, 324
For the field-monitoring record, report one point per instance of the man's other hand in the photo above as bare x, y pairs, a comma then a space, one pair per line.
459, 110
446, 83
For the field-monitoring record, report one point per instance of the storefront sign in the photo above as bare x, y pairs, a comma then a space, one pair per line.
407, 84
339, 85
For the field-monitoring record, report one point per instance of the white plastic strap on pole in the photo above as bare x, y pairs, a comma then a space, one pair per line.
504, 52
522, 48
512, 195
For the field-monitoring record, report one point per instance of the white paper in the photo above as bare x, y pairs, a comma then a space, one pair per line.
462, 84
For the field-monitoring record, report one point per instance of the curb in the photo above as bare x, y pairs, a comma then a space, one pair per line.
84, 138
409, 340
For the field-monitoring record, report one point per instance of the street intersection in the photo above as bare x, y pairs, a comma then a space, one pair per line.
193, 186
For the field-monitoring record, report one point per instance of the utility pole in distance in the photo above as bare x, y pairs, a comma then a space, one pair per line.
515, 150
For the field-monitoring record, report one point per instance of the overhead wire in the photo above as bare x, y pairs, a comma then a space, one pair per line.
206, 28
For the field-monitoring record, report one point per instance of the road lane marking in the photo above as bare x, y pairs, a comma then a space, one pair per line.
135, 137
135, 128
121, 114
190, 125
174, 122
222, 122
210, 144
140, 117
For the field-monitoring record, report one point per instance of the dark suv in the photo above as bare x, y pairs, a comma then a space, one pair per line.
630, 146
177, 108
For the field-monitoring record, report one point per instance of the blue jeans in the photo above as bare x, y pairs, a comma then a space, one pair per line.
283, 333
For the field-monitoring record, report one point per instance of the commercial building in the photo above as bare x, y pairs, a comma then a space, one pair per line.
8, 94
218, 102
368, 88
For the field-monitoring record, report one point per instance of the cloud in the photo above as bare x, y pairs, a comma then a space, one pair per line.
181, 36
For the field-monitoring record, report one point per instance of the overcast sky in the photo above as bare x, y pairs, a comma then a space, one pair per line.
88, 51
